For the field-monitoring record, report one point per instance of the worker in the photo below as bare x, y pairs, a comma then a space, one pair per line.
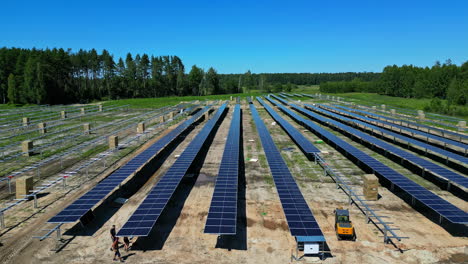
126, 243
112, 233
115, 247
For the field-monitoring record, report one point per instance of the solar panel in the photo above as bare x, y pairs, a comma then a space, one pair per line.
439, 117
302, 142
78, 208
427, 165
421, 144
281, 100
300, 219
146, 215
432, 201
222, 216
415, 131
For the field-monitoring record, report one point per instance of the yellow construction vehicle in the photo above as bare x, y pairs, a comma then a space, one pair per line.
343, 226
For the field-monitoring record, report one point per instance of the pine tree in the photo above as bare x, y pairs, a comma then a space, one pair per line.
12, 92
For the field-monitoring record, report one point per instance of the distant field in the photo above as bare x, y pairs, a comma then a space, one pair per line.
172, 100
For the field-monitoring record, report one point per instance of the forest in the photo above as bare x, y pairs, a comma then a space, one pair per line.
58, 76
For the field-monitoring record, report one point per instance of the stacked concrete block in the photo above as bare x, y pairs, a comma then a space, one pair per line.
113, 142
25, 121
461, 125
383, 107
162, 119
371, 187
26, 147
83, 111
141, 127
100, 108
24, 185
42, 127
87, 128
421, 115
63, 114
393, 111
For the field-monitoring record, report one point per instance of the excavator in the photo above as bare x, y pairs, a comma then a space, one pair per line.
343, 226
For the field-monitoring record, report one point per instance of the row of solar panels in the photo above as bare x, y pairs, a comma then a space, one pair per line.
77, 209
427, 165
144, 218
440, 206
299, 217
304, 144
427, 147
222, 215
411, 130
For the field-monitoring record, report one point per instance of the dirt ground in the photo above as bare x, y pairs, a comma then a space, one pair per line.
179, 236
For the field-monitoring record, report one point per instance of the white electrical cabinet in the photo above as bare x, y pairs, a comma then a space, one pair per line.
311, 248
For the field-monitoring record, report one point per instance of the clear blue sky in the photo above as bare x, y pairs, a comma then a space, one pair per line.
263, 36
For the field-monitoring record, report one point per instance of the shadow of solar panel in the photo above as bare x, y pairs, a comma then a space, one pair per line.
144, 218
222, 214
300, 219
451, 213
103, 188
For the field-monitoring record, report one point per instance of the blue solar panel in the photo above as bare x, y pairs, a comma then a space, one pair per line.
423, 145
429, 166
222, 215
308, 95
415, 131
300, 219
302, 142
442, 207
74, 212
146, 215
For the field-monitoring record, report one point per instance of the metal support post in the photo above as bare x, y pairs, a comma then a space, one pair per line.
2, 220
35, 200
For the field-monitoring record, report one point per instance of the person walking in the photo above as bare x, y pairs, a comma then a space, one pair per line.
115, 247
112, 233
126, 243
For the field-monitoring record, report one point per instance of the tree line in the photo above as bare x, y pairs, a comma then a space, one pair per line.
58, 76
441, 81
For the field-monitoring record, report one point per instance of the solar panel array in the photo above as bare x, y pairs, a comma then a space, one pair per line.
222, 216
308, 95
300, 219
304, 144
439, 117
414, 131
421, 144
146, 215
81, 206
427, 165
432, 201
